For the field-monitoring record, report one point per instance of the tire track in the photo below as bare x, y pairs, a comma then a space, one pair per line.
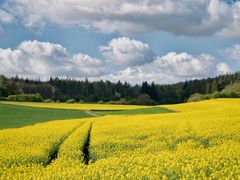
86, 146
54, 154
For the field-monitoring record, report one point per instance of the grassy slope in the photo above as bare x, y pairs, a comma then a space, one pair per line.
18, 116
154, 110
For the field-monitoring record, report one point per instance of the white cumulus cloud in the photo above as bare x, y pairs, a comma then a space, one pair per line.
232, 52
172, 68
232, 28
182, 17
185, 65
34, 59
223, 68
85, 65
124, 51
43, 59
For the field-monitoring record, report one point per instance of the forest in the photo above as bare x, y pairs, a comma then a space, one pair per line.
61, 90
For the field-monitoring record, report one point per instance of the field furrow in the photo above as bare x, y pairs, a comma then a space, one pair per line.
75, 148
33, 144
86, 146
55, 149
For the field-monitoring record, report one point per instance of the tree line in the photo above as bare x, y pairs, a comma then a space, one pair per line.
120, 92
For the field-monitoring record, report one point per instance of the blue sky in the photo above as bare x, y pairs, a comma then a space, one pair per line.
105, 45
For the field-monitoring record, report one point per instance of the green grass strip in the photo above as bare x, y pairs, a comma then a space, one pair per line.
12, 116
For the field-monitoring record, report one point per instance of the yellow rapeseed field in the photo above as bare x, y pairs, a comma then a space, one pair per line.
33, 144
200, 141
85, 107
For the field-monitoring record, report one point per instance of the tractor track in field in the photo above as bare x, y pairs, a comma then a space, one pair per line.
86, 147
54, 154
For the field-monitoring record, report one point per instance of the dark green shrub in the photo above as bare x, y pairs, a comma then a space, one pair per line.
81, 101
49, 101
3, 98
100, 102
122, 101
196, 97
25, 98
3, 91
71, 101
143, 99
111, 102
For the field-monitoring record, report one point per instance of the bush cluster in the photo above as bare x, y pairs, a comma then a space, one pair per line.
230, 91
26, 98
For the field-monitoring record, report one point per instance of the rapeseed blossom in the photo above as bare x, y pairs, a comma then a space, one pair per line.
199, 141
